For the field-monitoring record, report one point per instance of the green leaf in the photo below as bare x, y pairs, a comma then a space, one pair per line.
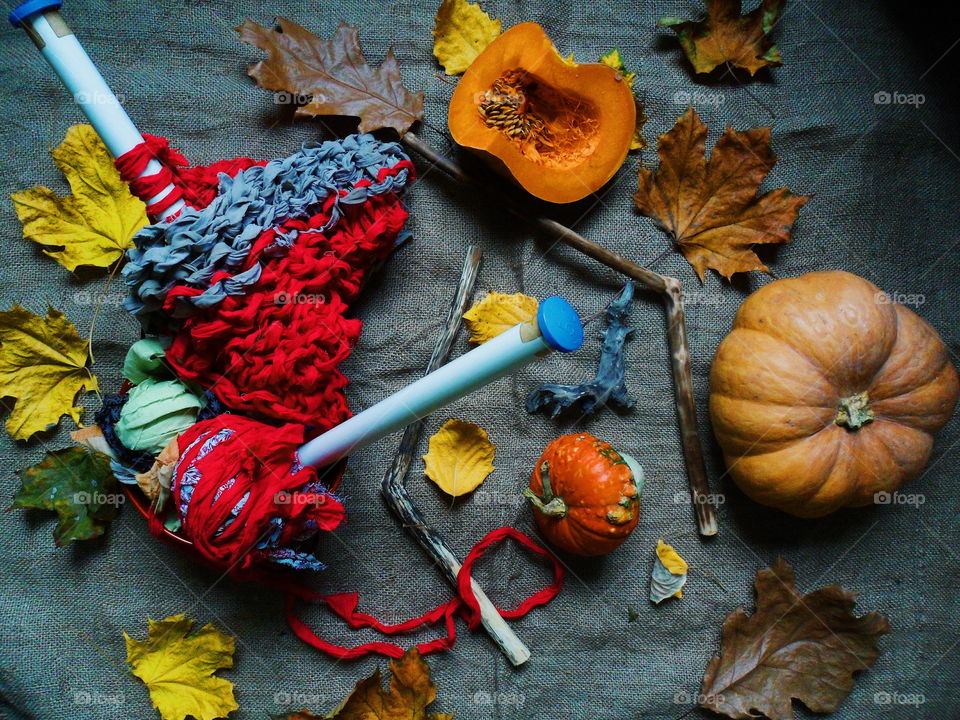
78, 485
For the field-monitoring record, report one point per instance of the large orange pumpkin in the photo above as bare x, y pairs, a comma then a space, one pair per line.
560, 129
585, 494
826, 393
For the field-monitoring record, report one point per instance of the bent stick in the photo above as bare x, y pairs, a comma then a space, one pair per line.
399, 501
668, 287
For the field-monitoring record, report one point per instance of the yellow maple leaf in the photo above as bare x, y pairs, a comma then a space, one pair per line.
94, 225
459, 457
497, 313
43, 365
461, 31
178, 668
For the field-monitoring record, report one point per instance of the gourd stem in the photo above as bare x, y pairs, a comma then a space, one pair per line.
550, 504
672, 291
854, 412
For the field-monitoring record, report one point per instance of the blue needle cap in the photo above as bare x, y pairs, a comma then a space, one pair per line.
559, 324
31, 7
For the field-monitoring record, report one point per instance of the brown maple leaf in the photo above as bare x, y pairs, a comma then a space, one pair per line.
726, 36
806, 648
333, 75
712, 208
411, 691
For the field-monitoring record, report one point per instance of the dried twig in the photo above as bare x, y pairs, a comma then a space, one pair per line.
672, 292
400, 503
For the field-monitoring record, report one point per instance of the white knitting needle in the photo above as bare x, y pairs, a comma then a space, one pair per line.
556, 327
42, 21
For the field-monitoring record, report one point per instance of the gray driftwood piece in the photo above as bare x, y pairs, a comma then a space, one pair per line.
401, 505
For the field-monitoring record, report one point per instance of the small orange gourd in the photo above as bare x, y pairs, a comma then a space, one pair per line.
827, 393
560, 129
585, 495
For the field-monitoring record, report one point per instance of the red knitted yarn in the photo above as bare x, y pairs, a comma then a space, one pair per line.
274, 350
197, 186
255, 459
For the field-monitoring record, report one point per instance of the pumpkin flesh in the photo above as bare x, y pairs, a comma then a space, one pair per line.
560, 129
826, 393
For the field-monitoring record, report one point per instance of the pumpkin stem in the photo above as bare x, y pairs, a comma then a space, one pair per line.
550, 504
854, 412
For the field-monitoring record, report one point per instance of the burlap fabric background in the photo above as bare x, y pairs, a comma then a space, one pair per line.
885, 205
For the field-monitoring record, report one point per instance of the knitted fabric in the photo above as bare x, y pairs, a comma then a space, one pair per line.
243, 499
254, 282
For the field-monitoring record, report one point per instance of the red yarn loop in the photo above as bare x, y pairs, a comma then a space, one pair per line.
196, 185
465, 604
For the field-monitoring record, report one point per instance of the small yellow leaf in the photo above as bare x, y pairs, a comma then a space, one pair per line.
637, 142
497, 313
669, 574
615, 60
94, 225
569, 60
43, 365
178, 669
459, 457
461, 31
670, 559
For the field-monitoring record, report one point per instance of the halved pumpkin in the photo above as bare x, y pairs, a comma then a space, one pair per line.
560, 129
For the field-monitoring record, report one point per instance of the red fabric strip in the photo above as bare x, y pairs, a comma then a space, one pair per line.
345, 604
